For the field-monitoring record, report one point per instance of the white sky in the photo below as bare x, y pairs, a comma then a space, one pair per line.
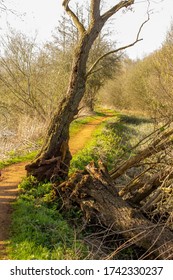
43, 16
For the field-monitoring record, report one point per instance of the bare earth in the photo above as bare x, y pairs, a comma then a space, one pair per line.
12, 176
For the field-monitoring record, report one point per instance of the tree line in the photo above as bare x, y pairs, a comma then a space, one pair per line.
144, 85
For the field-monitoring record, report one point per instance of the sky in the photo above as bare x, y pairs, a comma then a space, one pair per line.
41, 17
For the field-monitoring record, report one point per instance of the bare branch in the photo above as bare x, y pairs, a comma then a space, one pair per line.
116, 8
156, 146
95, 10
74, 17
119, 49
3, 7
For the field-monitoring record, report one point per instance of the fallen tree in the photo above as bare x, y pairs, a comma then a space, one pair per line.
123, 209
96, 194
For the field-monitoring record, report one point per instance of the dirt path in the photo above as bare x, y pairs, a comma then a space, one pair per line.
79, 140
12, 176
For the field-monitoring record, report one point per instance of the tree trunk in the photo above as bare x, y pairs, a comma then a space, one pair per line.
52, 163
54, 158
94, 190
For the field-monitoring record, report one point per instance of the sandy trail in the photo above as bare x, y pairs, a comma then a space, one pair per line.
12, 176
79, 140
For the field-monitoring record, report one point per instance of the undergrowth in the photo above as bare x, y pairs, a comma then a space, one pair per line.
39, 230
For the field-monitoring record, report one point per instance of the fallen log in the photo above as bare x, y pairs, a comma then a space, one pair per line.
94, 191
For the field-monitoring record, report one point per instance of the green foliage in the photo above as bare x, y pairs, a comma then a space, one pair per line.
128, 89
39, 231
133, 120
28, 183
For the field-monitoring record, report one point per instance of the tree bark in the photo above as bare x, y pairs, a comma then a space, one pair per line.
54, 157
94, 190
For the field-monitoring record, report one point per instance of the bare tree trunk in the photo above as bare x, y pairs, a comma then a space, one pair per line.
54, 158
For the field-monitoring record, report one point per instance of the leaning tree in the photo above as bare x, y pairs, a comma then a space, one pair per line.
54, 158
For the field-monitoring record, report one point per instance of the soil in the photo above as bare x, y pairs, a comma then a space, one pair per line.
9, 180
79, 140
11, 177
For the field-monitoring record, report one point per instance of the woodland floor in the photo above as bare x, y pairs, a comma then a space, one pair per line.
12, 176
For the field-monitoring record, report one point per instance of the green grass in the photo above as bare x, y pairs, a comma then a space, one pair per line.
112, 140
18, 156
134, 120
16, 159
104, 144
38, 230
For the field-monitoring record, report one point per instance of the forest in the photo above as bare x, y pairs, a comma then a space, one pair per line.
85, 142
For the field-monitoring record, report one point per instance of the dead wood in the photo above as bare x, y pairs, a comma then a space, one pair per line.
138, 190
94, 191
160, 144
151, 185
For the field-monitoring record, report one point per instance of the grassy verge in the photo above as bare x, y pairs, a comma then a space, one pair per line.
16, 159
112, 141
39, 231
